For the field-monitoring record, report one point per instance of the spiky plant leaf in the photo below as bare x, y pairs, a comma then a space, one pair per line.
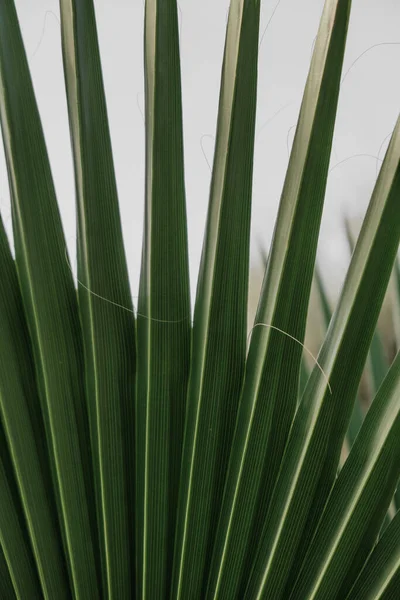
104, 297
303, 377
269, 392
357, 416
14, 538
359, 500
74, 497
377, 366
380, 576
313, 450
20, 416
6, 585
164, 307
396, 320
49, 299
220, 314
396, 301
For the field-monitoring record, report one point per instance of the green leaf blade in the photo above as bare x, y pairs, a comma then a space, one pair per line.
324, 412
220, 315
270, 389
380, 576
323, 297
376, 367
6, 586
303, 378
19, 401
358, 502
14, 540
49, 297
357, 416
104, 297
396, 300
164, 315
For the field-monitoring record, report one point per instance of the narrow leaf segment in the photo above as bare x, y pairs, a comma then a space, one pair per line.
269, 394
49, 299
220, 315
322, 418
104, 298
164, 325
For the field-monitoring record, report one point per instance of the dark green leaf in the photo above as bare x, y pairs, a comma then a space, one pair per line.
220, 316
14, 540
357, 416
20, 412
358, 503
312, 454
380, 577
269, 395
49, 298
323, 298
164, 307
104, 297
396, 300
6, 586
377, 365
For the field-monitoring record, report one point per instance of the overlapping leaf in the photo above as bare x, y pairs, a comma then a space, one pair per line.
396, 301
14, 540
266, 517
24, 432
380, 576
359, 500
220, 315
269, 393
163, 309
6, 586
357, 416
312, 454
376, 367
49, 300
104, 297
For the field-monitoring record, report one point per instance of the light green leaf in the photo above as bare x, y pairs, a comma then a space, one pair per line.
220, 315
269, 395
164, 307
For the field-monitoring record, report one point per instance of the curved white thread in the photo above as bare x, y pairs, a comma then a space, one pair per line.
116, 303
295, 340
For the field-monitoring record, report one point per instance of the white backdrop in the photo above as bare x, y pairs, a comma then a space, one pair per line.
369, 105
